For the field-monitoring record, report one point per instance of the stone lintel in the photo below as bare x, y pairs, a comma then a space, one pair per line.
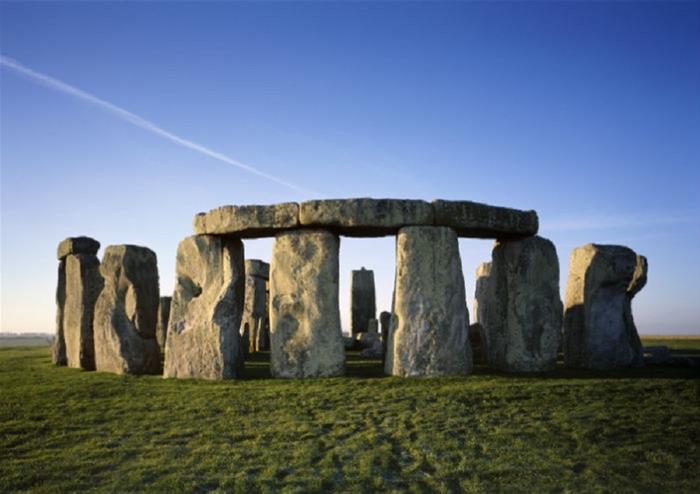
365, 217
77, 245
473, 219
248, 221
257, 268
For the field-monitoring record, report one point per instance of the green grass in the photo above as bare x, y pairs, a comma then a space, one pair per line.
64, 430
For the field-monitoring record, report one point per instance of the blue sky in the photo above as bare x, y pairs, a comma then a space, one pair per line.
587, 112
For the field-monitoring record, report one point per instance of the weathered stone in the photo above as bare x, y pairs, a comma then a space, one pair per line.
483, 291
83, 285
428, 335
362, 300
163, 318
127, 311
599, 331
58, 345
475, 342
519, 307
473, 219
305, 334
205, 315
385, 321
370, 337
255, 322
258, 268
248, 221
365, 217
77, 245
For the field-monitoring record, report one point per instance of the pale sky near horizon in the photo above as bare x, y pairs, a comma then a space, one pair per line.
588, 113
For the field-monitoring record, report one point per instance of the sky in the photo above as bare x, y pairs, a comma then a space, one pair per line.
121, 121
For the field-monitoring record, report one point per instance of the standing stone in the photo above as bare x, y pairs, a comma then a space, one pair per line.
126, 312
58, 346
79, 284
482, 293
384, 321
83, 285
305, 334
599, 331
205, 316
428, 335
255, 325
362, 300
518, 305
163, 318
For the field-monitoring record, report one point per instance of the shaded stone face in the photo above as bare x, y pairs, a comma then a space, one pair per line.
255, 323
473, 219
58, 346
83, 285
599, 331
206, 310
163, 318
428, 335
305, 334
362, 300
384, 321
518, 306
364, 216
248, 221
77, 245
126, 312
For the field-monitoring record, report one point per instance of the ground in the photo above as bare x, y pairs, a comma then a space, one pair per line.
65, 430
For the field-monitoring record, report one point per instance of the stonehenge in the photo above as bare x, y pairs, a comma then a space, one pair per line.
599, 331
305, 334
255, 325
518, 306
126, 312
109, 315
79, 284
363, 305
205, 314
428, 333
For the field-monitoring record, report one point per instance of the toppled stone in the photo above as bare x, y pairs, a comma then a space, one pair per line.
163, 318
248, 221
305, 335
362, 300
205, 315
365, 217
428, 335
126, 312
518, 306
77, 245
255, 325
657, 355
83, 285
599, 331
58, 345
473, 219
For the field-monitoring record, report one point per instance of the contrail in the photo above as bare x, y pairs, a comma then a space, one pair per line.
137, 120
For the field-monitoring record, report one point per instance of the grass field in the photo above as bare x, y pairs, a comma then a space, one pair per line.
64, 430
